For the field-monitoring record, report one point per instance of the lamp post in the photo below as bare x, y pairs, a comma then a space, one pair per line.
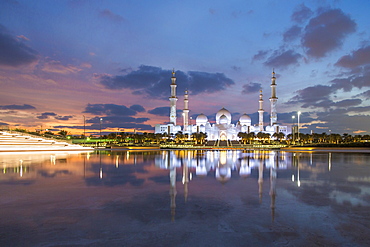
101, 119
84, 129
293, 117
299, 113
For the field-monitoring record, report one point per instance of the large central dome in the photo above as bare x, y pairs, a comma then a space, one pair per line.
224, 112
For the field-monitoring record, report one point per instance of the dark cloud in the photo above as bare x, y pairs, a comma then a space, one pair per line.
109, 110
260, 55
365, 94
155, 81
292, 33
301, 14
160, 111
107, 14
359, 109
108, 120
282, 59
340, 122
342, 83
348, 102
314, 96
63, 118
46, 115
14, 52
115, 116
163, 111
137, 108
357, 58
326, 32
251, 87
17, 107
357, 79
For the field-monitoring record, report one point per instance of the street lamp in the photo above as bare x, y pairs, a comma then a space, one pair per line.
299, 113
84, 129
293, 117
101, 119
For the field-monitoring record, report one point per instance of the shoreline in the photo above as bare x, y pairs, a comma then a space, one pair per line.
285, 149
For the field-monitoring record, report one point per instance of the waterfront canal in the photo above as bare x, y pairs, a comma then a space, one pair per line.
185, 198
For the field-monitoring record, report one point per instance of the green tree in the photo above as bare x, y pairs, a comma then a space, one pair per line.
63, 133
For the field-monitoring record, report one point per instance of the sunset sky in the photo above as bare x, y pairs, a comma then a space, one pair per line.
63, 60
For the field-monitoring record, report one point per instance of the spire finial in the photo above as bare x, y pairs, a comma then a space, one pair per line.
173, 72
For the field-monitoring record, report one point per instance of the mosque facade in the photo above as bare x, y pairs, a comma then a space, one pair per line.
223, 128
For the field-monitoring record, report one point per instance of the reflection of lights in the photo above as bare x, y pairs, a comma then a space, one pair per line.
101, 173
117, 157
52, 159
127, 155
329, 161
299, 183
223, 157
292, 177
21, 168
191, 176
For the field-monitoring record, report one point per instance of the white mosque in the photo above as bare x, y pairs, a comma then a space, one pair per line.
223, 129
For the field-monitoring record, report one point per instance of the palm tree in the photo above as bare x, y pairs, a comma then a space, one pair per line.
179, 137
199, 137
278, 136
63, 133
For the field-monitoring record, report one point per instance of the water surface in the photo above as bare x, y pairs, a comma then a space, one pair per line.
185, 198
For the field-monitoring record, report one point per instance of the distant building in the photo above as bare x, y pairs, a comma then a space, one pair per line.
223, 129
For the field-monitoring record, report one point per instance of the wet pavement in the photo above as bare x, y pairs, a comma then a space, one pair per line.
185, 198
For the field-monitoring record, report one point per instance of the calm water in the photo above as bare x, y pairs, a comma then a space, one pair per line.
185, 198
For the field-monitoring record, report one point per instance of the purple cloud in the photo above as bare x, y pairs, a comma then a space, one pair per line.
282, 59
326, 32
137, 108
348, 102
46, 115
14, 52
251, 87
301, 14
357, 58
314, 96
260, 55
109, 110
17, 107
155, 82
292, 33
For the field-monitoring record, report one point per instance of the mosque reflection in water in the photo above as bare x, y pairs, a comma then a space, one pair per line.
222, 165
225, 164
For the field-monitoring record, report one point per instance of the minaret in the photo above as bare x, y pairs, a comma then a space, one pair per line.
273, 100
173, 99
260, 113
186, 111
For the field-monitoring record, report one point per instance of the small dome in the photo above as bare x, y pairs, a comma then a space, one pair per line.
201, 119
245, 120
224, 112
